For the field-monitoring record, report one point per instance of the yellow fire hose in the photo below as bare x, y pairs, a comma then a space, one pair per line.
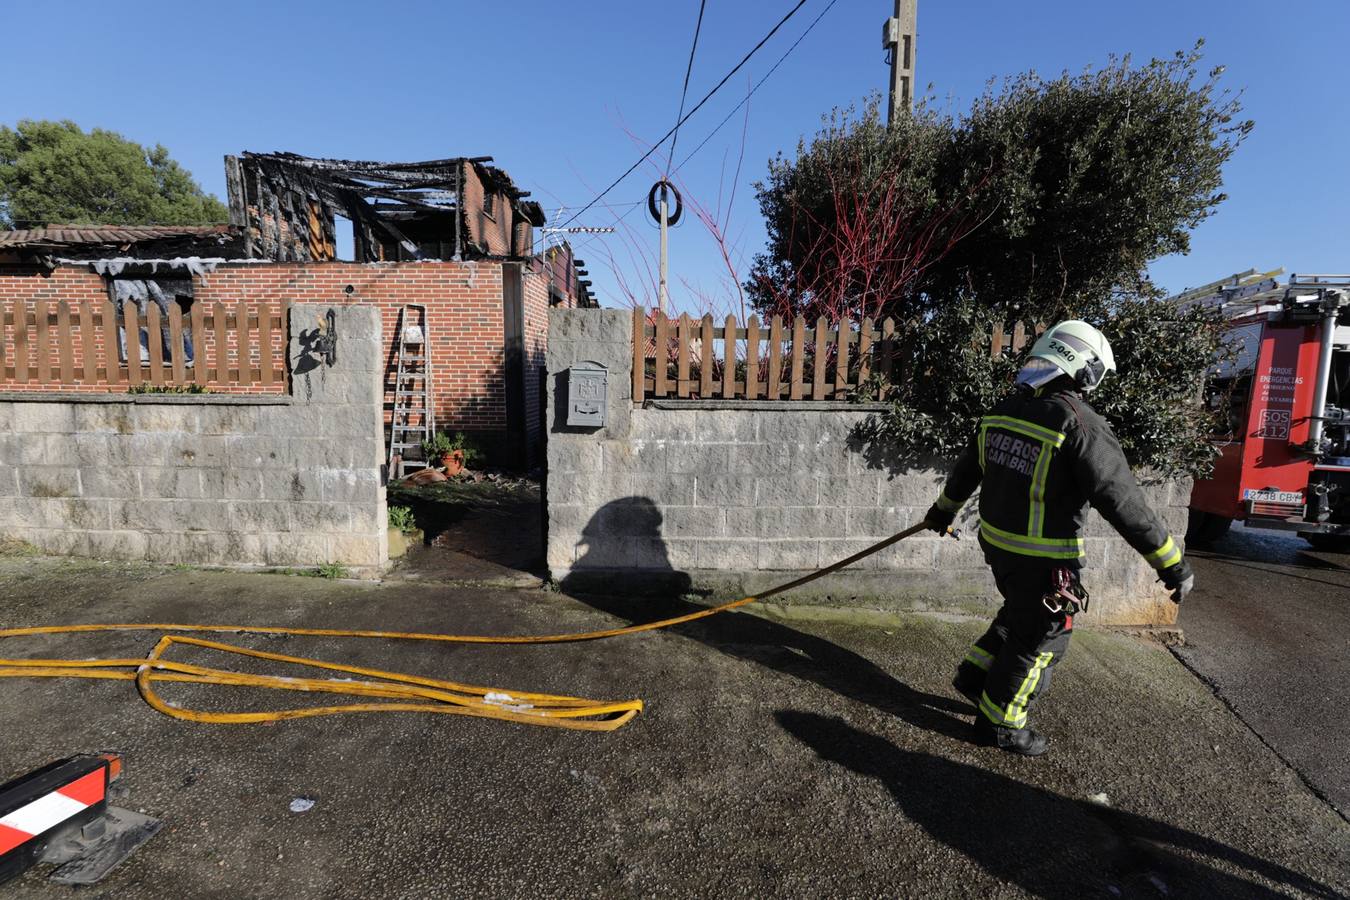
409, 693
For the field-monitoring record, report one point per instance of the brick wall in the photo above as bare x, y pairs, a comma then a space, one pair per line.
27, 286
463, 300
23, 287
536, 347
491, 233
33, 283
464, 306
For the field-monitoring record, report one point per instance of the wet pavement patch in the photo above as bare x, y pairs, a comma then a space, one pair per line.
774, 759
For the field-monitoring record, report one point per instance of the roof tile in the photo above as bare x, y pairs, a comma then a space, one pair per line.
73, 235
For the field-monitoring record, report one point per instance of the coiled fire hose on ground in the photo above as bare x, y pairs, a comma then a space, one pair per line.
398, 692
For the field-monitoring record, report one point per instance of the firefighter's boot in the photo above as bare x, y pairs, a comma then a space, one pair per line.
1022, 741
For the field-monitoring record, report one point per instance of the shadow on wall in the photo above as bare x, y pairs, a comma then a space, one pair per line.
1049, 845
883, 455
597, 580
623, 535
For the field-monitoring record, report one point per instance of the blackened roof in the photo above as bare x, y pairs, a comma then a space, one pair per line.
56, 237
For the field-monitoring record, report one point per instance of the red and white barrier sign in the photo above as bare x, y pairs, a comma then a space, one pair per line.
50, 810
49, 805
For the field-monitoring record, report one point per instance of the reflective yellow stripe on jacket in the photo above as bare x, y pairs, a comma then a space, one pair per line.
1031, 543
1036, 507
1166, 556
1022, 426
1049, 548
947, 504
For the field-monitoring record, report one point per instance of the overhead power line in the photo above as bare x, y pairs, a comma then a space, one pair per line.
706, 97
564, 207
685, 90
747, 97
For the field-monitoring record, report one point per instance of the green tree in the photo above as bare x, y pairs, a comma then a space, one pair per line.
54, 172
1046, 201
1096, 175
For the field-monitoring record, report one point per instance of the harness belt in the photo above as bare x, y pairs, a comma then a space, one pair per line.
1067, 595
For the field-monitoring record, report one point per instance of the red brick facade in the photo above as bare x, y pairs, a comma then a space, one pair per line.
492, 222
464, 303
32, 283
464, 309
536, 346
31, 286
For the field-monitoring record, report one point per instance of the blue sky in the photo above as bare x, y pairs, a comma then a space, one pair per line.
559, 93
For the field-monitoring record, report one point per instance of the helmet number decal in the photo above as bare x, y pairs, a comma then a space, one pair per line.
1062, 350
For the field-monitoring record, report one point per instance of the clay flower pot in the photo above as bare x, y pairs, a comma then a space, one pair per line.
453, 462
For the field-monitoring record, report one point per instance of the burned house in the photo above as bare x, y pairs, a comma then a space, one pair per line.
288, 206
455, 237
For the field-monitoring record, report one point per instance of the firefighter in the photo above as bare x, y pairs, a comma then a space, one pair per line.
1043, 456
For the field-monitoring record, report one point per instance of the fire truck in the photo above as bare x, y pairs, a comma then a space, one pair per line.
1285, 462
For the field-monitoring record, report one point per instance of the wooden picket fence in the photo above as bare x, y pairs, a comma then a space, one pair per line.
787, 361
79, 344
695, 358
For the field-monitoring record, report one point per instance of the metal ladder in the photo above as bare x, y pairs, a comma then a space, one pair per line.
412, 393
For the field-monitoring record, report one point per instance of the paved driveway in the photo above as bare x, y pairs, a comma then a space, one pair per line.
777, 758
1269, 627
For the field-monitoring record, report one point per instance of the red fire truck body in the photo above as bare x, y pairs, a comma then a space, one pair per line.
1286, 464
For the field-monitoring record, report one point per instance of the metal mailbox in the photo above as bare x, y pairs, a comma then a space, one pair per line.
587, 395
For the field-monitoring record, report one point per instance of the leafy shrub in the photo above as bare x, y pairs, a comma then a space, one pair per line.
1153, 402
442, 442
401, 517
1046, 201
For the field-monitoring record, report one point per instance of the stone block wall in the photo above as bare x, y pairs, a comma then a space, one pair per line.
746, 494
283, 480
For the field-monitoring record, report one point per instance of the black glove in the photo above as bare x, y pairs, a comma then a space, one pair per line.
1179, 579
939, 519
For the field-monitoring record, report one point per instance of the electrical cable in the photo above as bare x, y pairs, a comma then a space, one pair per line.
567, 206
674, 138
706, 97
410, 693
751, 93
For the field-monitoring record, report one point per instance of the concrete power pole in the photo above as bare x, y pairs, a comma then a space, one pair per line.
898, 35
663, 292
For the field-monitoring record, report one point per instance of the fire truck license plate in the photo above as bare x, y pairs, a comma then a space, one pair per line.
1291, 497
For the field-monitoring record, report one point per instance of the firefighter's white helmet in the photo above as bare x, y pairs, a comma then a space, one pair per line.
1078, 350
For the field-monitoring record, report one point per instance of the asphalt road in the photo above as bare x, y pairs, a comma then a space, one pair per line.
776, 758
1268, 626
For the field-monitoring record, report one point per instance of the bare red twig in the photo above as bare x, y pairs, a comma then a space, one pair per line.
867, 252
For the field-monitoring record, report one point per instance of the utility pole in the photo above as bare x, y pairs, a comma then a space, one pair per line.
663, 294
898, 35
658, 205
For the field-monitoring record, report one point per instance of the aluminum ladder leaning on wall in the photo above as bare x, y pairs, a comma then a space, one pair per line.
413, 420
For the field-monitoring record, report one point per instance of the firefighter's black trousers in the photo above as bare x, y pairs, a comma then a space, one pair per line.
1012, 661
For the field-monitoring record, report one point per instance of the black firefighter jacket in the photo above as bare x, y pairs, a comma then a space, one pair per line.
1042, 460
